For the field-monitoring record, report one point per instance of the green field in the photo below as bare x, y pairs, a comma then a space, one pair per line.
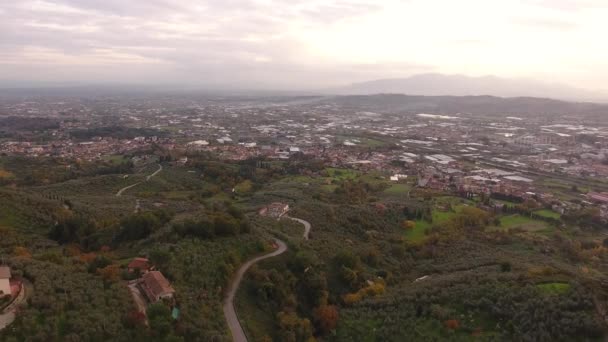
116, 159
341, 174
554, 288
418, 233
522, 222
548, 213
397, 189
329, 187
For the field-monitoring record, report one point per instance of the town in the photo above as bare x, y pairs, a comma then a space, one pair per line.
503, 155
289, 213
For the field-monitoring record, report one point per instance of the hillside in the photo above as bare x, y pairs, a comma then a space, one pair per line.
459, 85
479, 105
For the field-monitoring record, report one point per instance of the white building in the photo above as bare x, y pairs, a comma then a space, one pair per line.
5, 277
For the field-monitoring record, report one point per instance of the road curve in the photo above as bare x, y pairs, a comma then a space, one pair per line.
119, 193
305, 223
238, 335
9, 314
160, 168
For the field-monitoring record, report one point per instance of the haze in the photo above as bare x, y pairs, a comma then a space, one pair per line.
300, 44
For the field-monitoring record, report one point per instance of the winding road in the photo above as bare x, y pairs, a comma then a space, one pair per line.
119, 193
160, 168
305, 223
238, 334
8, 315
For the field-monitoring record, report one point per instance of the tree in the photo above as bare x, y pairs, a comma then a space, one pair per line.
159, 316
159, 257
110, 273
452, 324
293, 328
408, 224
138, 226
326, 318
22, 252
97, 263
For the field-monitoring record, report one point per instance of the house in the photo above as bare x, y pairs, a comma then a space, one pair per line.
182, 161
275, 210
601, 197
5, 280
155, 286
140, 264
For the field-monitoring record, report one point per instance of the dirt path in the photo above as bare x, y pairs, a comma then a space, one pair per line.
160, 168
306, 224
238, 335
119, 193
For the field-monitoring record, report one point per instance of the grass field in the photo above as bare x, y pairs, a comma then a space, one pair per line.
418, 233
522, 222
554, 288
548, 213
397, 189
341, 174
116, 159
362, 141
329, 187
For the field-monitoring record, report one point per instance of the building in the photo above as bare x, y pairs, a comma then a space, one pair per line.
139, 264
155, 286
5, 281
275, 210
601, 197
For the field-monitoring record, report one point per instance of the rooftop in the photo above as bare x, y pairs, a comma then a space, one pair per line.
5, 272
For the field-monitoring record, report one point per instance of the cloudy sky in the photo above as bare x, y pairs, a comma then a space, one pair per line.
300, 44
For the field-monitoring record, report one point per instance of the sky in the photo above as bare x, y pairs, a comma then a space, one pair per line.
301, 44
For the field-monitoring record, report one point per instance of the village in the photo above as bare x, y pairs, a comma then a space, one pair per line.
504, 155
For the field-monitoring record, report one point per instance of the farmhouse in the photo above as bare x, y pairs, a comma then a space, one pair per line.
275, 210
155, 286
139, 264
5, 277
601, 197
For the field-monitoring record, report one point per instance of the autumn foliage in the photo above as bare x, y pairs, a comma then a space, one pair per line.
408, 224
22, 252
452, 324
110, 273
326, 318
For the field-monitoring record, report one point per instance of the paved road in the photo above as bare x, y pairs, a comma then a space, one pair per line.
160, 168
119, 193
238, 335
306, 226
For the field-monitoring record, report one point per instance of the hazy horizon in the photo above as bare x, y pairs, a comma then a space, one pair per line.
300, 45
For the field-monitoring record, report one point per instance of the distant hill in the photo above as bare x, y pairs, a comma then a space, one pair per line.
477, 105
458, 85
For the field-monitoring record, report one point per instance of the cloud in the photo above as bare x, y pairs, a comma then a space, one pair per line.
570, 5
547, 24
295, 43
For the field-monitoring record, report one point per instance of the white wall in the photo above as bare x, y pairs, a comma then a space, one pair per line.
5, 286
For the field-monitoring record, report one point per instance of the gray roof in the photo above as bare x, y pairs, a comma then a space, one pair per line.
5, 272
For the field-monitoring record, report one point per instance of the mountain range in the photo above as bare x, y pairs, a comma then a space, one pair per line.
459, 85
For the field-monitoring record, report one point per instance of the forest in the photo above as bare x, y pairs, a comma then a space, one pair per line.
379, 266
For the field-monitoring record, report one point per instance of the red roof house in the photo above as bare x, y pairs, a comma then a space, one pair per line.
141, 264
155, 286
